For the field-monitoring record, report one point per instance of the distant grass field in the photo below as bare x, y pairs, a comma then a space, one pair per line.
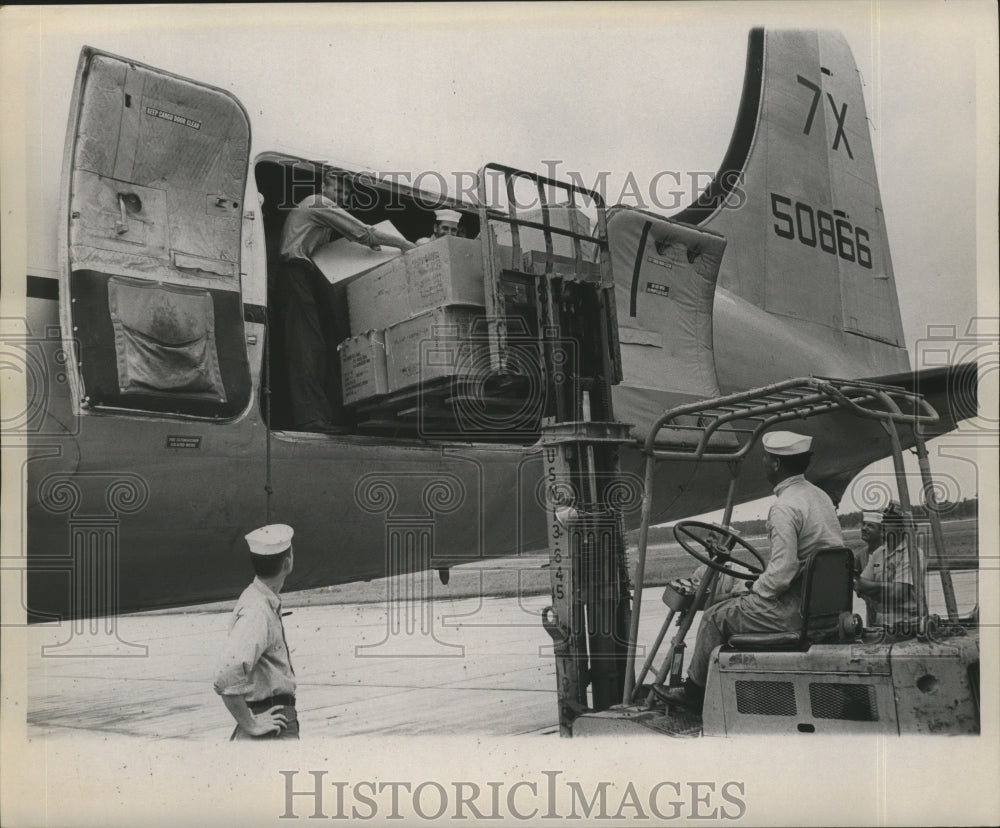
529, 576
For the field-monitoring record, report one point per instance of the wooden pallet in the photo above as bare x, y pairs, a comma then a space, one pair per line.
452, 408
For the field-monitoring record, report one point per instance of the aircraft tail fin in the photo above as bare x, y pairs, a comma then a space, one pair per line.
797, 196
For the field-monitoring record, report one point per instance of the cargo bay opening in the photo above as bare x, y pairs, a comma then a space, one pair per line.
282, 182
411, 340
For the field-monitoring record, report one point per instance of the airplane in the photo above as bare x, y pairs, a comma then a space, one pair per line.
169, 211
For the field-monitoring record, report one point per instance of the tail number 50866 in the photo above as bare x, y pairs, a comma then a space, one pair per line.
833, 234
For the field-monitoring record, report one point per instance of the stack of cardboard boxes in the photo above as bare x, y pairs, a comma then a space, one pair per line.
561, 216
420, 316
412, 320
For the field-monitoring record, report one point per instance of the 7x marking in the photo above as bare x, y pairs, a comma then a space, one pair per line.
840, 116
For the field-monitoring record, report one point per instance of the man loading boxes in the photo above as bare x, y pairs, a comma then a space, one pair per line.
426, 300
312, 223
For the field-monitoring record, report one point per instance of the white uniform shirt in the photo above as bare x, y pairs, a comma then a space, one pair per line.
893, 567
255, 662
312, 224
802, 520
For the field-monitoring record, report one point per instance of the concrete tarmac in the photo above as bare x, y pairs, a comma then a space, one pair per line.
464, 666
467, 665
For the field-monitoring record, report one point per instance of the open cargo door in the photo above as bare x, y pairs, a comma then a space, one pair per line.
153, 180
665, 278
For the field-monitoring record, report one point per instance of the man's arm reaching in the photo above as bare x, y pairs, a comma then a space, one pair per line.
355, 229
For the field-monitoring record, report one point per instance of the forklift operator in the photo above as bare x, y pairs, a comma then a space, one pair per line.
802, 520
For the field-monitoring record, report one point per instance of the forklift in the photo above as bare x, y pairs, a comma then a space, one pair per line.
833, 675
553, 327
552, 316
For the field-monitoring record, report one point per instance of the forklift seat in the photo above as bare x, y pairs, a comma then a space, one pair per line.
826, 595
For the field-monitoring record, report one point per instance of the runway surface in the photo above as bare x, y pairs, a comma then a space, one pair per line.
484, 673
449, 666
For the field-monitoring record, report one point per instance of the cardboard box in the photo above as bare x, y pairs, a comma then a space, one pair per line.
443, 271
363, 367
344, 259
437, 343
379, 298
535, 262
560, 216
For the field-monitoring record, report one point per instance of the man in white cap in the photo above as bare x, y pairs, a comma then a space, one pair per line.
312, 223
255, 676
871, 534
886, 582
802, 520
445, 224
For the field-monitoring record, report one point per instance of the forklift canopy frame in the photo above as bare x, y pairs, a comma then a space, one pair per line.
727, 428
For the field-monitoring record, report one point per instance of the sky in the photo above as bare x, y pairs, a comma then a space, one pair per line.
631, 90
625, 89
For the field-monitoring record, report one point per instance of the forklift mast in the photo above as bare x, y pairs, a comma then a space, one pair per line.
552, 316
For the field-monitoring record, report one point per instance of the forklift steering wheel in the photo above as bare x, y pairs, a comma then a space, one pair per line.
719, 546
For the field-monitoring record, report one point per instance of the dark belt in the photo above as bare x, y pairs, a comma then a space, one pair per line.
283, 699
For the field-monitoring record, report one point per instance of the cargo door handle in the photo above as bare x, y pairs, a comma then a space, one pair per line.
121, 226
127, 203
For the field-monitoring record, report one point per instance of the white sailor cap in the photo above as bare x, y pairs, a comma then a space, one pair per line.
871, 517
893, 513
334, 174
786, 442
270, 540
447, 215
